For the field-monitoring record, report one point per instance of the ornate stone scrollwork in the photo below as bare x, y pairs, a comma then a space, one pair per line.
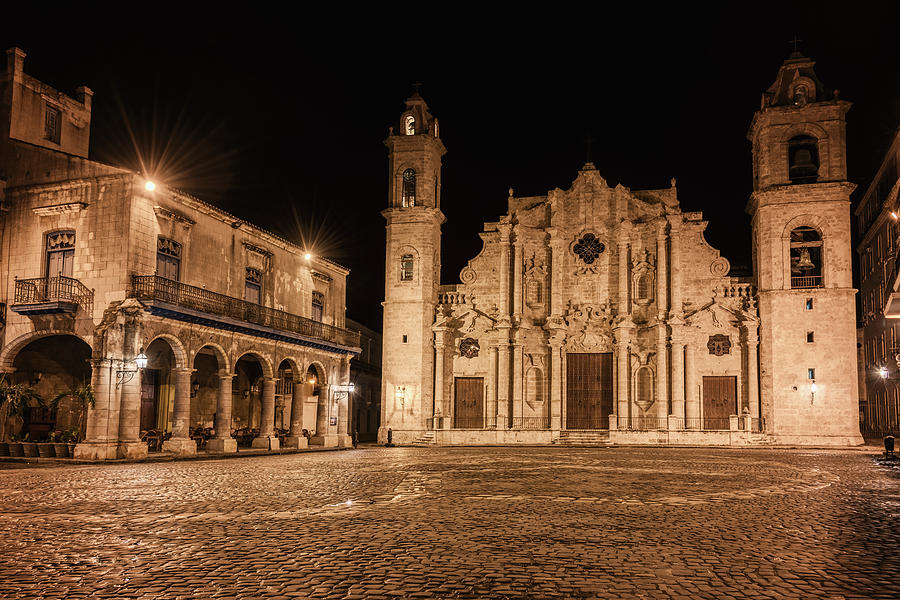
468, 275
535, 280
643, 278
720, 267
589, 329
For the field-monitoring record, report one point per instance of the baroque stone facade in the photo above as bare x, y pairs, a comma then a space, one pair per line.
243, 332
600, 313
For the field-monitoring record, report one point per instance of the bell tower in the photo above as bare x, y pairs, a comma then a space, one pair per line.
800, 211
412, 272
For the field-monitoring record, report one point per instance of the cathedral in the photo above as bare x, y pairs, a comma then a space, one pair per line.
598, 314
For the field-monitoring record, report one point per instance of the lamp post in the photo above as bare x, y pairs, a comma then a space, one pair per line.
126, 375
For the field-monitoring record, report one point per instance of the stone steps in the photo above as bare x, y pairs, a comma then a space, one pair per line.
426, 439
583, 438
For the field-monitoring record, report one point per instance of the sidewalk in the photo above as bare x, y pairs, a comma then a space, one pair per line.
164, 457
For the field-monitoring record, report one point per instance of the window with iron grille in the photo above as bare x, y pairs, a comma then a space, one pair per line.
168, 258
52, 123
406, 267
318, 306
409, 188
253, 285
60, 253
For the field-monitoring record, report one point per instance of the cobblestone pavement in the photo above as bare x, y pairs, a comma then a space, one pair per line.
458, 523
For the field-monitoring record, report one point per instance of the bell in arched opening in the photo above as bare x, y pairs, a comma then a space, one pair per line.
804, 159
805, 263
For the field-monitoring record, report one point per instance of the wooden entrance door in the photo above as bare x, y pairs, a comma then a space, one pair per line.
149, 398
468, 408
589, 390
719, 401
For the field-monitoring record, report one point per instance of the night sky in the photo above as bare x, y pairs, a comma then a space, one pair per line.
281, 121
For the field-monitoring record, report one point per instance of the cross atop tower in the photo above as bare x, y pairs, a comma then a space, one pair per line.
796, 42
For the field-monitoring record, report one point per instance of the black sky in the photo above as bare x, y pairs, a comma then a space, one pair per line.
281, 121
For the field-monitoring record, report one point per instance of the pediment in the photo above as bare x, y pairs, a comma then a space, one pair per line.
715, 316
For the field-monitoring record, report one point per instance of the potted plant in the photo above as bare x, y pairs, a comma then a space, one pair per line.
15, 446
16, 400
60, 447
82, 397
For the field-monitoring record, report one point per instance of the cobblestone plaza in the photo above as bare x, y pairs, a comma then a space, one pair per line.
457, 523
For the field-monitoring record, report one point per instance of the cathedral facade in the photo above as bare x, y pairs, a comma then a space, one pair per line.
600, 314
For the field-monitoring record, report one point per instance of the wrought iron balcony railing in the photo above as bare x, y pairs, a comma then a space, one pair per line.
807, 281
51, 294
160, 289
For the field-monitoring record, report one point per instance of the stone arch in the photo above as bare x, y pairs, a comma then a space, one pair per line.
397, 263
264, 363
808, 220
295, 363
225, 366
823, 142
321, 372
181, 355
9, 352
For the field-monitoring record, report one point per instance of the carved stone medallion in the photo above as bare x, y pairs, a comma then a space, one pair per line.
468, 348
719, 344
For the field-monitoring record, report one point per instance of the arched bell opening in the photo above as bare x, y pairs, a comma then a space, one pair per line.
803, 159
806, 258
50, 366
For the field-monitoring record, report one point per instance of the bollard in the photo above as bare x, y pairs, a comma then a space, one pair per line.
889, 446
390, 437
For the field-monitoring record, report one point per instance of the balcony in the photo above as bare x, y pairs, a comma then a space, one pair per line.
807, 281
51, 295
184, 302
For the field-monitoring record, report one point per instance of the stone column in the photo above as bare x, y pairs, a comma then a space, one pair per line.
678, 379
503, 380
181, 443
490, 409
518, 404
505, 229
130, 444
662, 373
343, 405
101, 439
623, 356
442, 412
322, 413
223, 441
555, 385
624, 279
266, 438
691, 395
676, 305
491, 402
753, 370
556, 260
662, 274
296, 439
516, 279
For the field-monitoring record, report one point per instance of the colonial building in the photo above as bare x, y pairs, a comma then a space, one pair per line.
242, 330
365, 374
600, 313
877, 216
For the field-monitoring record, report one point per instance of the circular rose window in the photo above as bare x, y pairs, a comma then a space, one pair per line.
588, 248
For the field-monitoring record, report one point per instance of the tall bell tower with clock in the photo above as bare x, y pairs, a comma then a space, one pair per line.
412, 272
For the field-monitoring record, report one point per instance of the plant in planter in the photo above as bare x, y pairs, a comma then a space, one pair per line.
60, 445
82, 397
16, 400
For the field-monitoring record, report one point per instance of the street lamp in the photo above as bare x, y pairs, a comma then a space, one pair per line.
126, 375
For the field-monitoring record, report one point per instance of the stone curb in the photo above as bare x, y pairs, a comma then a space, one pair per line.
161, 457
